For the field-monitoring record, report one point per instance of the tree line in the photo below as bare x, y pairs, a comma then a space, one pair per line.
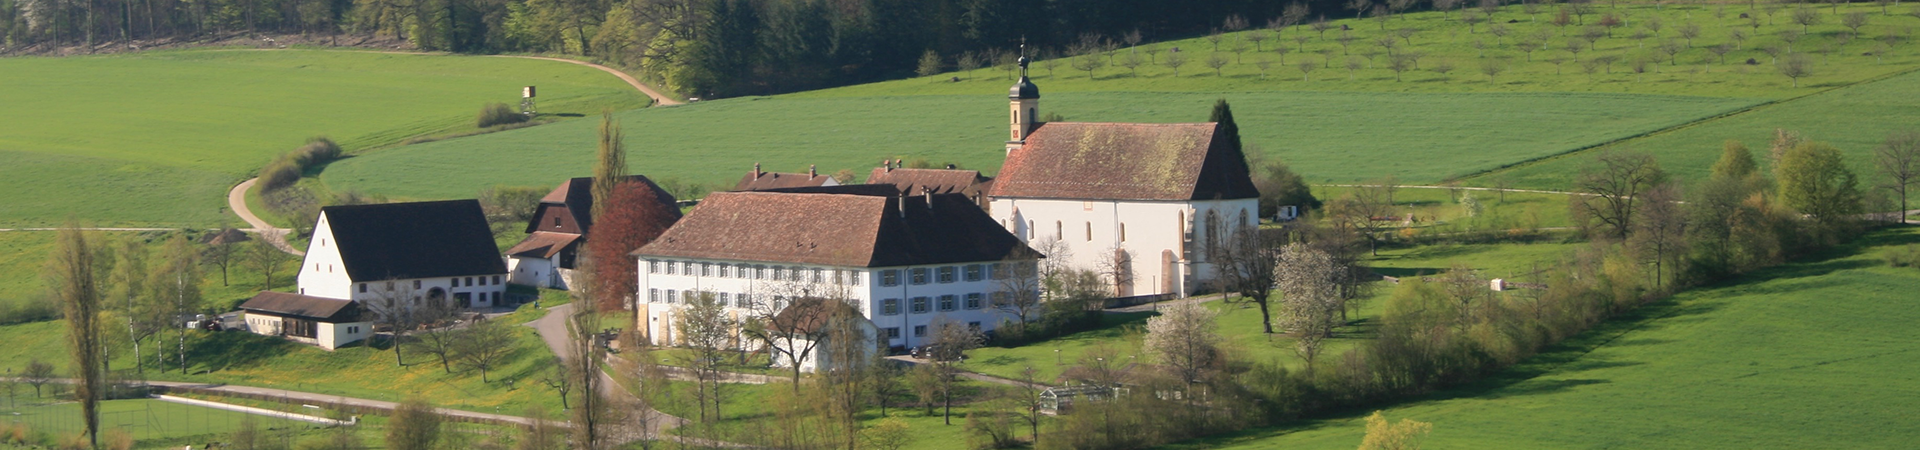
703, 47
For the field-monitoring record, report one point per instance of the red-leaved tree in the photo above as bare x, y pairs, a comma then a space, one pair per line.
634, 217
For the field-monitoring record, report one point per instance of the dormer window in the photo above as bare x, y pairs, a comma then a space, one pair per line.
556, 222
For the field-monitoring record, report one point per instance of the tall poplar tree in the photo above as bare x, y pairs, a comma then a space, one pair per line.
70, 272
612, 165
176, 284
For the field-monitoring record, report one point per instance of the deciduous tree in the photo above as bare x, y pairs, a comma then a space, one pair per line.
176, 285
70, 278
1612, 184
414, 425
632, 218
1308, 282
1814, 179
1182, 338
1898, 159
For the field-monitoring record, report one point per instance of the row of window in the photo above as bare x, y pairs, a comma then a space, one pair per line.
945, 274
921, 330
724, 299
754, 272
949, 302
483, 281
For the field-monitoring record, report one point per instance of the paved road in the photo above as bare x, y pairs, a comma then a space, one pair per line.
237, 201
553, 330
312, 398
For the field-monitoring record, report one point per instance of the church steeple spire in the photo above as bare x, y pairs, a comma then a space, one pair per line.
1025, 101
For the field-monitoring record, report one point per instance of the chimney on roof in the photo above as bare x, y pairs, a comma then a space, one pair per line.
886, 164
902, 204
950, 166
756, 170
929, 196
811, 172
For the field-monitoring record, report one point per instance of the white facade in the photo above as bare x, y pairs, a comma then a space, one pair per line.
1165, 242
325, 335
538, 272
823, 353
902, 302
323, 273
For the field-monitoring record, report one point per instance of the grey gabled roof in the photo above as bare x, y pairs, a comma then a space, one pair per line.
414, 240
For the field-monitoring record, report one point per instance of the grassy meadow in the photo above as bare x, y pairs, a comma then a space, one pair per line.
1327, 136
1422, 126
157, 138
1856, 119
1810, 354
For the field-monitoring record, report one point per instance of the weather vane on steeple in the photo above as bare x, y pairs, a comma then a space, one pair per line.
1023, 57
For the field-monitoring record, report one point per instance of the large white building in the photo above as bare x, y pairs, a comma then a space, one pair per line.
1154, 201
433, 251
904, 262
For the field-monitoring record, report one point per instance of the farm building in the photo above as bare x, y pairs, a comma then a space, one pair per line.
903, 262
325, 322
560, 226
407, 252
758, 180
1155, 200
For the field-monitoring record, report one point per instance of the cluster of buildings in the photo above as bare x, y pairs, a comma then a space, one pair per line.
910, 249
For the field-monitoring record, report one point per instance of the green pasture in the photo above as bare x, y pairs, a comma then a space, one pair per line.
1442, 38
1326, 136
24, 253
1855, 119
146, 421
1437, 206
1811, 354
158, 137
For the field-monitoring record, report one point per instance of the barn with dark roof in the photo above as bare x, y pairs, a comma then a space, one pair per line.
405, 252
561, 224
1154, 200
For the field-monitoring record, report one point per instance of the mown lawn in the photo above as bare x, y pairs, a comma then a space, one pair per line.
158, 137
147, 421
1326, 136
1812, 354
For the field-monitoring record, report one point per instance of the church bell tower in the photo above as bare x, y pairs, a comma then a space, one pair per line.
1024, 98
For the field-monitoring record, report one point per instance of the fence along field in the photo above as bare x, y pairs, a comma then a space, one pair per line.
157, 138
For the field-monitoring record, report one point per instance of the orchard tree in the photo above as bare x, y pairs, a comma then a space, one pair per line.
1898, 159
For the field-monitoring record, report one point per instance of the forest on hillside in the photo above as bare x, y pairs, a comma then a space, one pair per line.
708, 48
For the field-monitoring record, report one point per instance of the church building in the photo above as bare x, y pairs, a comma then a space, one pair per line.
1146, 204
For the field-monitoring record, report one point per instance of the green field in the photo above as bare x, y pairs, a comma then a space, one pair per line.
1814, 354
1855, 118
157, 138
356, 371
1328, 136
1443, 38
145, 420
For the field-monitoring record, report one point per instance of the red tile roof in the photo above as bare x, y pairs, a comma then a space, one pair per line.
837, 230
760, 181
808, 315
543, 244
917, 181
1125, 161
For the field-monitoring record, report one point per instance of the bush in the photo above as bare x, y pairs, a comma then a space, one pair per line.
1907, 256
14, 311
287, 169
499, 114
116, 439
